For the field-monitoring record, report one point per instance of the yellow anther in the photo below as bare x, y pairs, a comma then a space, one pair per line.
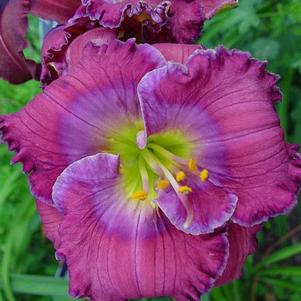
185, 189
162, 184
180, 176
192, 165
139, 195
204, 175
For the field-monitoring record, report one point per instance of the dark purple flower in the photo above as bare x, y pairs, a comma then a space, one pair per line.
180, 20
151, 21
135, 148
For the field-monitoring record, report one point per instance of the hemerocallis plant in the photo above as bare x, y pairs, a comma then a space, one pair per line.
153, 166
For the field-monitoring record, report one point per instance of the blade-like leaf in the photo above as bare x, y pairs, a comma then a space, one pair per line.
279, 255
282, 271
293, 286
38, 285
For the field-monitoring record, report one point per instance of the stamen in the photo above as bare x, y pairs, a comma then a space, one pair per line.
181, 191
180, 176
185, 189
204, 175
139, 195
163, 184
167, 154
192, 165
143, 174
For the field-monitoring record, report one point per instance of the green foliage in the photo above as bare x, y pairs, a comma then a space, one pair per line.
270, 30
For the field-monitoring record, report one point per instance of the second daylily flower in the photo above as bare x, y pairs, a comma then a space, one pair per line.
149, 21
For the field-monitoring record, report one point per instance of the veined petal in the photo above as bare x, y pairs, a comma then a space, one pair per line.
56, 10
205, 209
242, 243
224, 102
51, 219
71, 119
13, 27
117, 248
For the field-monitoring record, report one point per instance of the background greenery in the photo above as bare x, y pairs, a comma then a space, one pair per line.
270, 30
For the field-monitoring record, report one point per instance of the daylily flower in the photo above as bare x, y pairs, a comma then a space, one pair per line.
144, 165
152, 20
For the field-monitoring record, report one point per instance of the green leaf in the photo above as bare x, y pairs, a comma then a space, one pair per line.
293, 286
38, 285
279, 256
290, 271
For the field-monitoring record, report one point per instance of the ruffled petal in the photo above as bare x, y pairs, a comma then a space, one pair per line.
73, 115
13, 20
224, 102
204, 210
56, 10
111, 14
51, 219
63, 46
116, 248
243, 243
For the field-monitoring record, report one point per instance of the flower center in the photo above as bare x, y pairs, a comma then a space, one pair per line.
160, 162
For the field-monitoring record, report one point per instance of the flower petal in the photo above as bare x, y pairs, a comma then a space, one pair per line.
224, 102
207, 208
176, 52
70, 119
63, 46
152, 21
116, 248
243, 243
56, 10
111, 14
51, 219
186, 21
211, 7
13, 20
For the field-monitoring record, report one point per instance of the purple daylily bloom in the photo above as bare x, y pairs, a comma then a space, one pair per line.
180, 20
151, 21
137, 150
